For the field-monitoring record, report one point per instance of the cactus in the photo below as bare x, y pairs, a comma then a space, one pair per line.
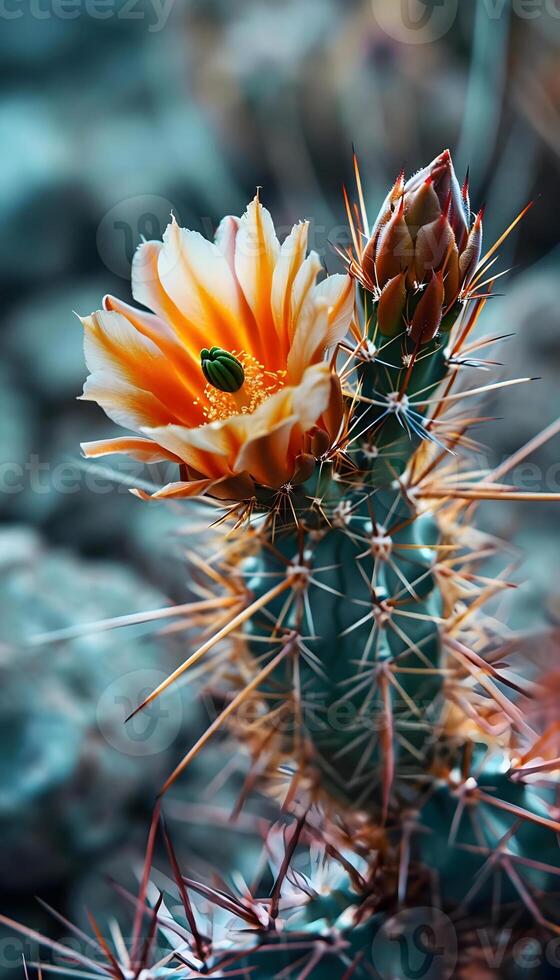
329, 428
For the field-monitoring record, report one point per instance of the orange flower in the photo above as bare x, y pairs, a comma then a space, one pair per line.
257, 303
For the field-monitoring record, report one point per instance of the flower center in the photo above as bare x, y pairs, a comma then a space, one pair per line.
257, 384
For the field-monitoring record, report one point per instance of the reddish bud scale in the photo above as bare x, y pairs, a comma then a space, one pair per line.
421, 207
428, 313
391, 307
433, 245
471, 256
395, 249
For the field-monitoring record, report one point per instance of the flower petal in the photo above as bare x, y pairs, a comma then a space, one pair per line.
143, 450
148, 290
182, 488
291, 257
266, 457
311, 398
303, 286
225, 237
209, 449
276, 437
310, 339
197, 278
338, 291
333, 416
228, 488
124, 404
161, 334
256, 253
131, 378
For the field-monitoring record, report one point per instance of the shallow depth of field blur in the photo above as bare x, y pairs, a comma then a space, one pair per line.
112, 115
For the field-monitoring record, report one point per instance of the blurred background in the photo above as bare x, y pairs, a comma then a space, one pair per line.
113, 113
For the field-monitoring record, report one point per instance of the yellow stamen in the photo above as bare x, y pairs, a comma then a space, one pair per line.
257, 387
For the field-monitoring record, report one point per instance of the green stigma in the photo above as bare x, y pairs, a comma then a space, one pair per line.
221, 369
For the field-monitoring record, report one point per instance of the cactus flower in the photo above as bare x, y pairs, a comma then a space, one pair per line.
226, 376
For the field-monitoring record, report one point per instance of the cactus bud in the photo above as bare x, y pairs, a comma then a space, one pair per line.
422, 228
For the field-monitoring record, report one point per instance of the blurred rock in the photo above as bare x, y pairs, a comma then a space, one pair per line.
17, 423
530, 311
46, 337
74, 780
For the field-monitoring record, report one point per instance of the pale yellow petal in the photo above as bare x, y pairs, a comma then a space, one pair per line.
161, 333
198, 280
310, 339
225, 237
127, 406
266, 457
122, 359
182, 488
208, 449
143, 450
256, 253
290, 260
311, 397
338, 291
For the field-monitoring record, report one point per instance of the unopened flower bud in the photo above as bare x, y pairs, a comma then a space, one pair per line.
423, 228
